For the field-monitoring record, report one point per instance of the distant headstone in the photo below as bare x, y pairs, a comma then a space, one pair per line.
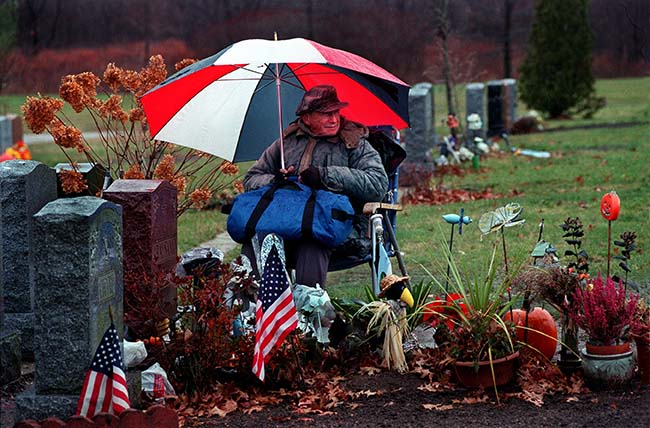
150, 227
93, 173
78, 283
420, 138
475, 104
25, 187
6, 139
502, 105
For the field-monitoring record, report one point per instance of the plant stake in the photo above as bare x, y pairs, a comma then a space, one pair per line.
454, 219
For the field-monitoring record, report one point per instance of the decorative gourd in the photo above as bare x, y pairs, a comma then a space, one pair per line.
541, 333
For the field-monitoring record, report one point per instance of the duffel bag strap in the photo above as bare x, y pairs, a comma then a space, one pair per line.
308, 216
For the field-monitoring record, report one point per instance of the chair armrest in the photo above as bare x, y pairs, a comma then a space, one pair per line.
372, 207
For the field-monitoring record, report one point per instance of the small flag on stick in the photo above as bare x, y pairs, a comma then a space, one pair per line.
276, 314
104, 389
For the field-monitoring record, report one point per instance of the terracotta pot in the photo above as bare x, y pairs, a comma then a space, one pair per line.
608, 371
642, 343
471, 375
607, 349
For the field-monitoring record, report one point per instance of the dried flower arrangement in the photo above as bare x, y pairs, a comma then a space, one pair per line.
126, 148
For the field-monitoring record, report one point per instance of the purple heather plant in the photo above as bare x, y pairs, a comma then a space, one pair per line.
603, 310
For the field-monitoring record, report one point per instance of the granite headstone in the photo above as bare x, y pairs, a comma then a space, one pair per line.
475, 104
420, 138
6, 138
25, 187
150, 229
78, 286
502, 105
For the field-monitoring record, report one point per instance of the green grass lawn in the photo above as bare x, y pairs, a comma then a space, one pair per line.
585, 164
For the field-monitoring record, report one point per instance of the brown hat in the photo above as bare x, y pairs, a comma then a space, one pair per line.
388, 281
322, 99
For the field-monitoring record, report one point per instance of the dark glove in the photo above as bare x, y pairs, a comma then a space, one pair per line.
311, 177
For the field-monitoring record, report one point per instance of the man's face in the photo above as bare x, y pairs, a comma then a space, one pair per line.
323, 124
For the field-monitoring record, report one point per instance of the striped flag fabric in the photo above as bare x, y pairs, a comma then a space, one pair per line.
275, 313
104, 389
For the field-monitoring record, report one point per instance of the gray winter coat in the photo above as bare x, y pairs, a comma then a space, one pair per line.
347, 163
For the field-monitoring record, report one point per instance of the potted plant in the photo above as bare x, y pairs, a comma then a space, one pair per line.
481, 342
605, 312
640, 331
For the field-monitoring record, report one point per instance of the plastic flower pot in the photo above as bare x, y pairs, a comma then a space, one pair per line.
474, 375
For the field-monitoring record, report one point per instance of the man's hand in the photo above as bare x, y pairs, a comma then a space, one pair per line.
284, 173
311, 177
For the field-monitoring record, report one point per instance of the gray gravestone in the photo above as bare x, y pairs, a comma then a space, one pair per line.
10, 355
6, 139
420, 137
25, 187
149, 211
475, 104
78, 281
510, 101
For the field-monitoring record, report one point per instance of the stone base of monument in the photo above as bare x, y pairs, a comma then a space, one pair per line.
134, 386
24, 323
30, 405
10, 356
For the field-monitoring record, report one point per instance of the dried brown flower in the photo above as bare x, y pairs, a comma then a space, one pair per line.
184, 63
134, 172
238, 185
132, 81
113, 76
40, 112
67, 136
111, 108
72, 181
154, 73
136, 115
165, 168
200, 197
180, 182
229, 168
73, 93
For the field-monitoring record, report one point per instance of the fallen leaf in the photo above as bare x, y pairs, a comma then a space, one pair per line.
572, 400
370, 371
440, 407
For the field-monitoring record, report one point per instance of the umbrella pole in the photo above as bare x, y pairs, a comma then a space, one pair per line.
277, 88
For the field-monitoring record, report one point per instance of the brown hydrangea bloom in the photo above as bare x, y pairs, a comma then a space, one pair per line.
238, 185
200, 197
40, 112
136, 115
113, 76
134, 172
180, 182
72, 181
132, 81
67, 136
229, 168
184, 63
111, 108
154, 73
165, 168
73, 93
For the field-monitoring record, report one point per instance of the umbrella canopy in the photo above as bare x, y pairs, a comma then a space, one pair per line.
230, 105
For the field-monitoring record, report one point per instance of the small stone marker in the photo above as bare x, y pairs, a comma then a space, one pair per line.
78, 277
93, 173
25, 187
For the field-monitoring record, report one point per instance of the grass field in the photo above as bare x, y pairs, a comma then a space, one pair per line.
589, 158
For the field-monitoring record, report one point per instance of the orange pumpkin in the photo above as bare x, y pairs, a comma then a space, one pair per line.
610, 206
541, 333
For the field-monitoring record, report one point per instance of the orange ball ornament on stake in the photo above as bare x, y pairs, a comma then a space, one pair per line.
610, 207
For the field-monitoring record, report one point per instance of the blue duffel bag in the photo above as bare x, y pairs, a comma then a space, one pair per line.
293, 211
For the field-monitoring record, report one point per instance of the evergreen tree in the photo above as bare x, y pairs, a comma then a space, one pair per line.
556, 73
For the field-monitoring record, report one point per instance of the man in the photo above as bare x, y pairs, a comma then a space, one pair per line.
325, 151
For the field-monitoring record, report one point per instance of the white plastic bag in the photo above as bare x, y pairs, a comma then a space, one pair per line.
134, 353
155, 383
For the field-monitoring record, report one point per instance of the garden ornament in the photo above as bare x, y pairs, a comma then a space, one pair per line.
455, 219
394, 287
610, 206
316, 311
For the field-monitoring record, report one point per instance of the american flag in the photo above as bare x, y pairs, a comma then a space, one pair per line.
104, 389
275, 314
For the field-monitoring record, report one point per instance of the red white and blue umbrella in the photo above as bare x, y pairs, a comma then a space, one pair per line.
234, 103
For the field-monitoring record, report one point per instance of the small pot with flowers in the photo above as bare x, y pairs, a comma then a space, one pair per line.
604, 310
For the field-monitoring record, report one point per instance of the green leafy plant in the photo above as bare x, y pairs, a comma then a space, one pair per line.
627, 244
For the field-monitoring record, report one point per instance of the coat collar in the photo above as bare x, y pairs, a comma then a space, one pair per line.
350, 132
